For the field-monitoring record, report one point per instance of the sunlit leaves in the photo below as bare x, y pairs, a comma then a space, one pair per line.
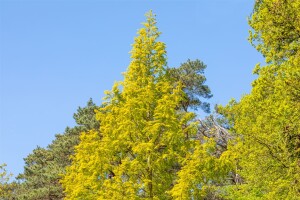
267, 120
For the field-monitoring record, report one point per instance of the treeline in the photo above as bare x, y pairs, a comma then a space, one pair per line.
146, 142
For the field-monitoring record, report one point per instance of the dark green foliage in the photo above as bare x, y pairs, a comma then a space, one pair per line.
44, 166
86, 117
191, 75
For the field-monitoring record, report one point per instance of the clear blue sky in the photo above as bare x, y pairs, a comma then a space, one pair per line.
55, 55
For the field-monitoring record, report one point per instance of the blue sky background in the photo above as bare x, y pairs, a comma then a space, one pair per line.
55, 55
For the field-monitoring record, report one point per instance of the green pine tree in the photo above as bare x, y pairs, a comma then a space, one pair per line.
44, 166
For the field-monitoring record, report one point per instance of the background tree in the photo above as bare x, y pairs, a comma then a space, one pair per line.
191, 75
44, 166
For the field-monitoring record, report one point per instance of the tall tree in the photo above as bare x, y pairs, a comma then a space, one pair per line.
266, 121
44, 166
144, 138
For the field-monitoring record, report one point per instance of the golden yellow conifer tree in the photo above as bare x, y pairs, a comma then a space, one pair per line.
144, 137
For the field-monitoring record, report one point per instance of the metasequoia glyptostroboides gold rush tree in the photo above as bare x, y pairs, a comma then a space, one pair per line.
143, 138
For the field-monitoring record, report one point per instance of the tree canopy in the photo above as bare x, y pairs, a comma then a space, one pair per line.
266, 121
145, 140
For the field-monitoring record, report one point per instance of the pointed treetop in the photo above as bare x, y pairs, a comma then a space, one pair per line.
148, 56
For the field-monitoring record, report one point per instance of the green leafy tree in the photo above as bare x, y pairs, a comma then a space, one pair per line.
266, 121
268, 140
44, 166
276, 28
